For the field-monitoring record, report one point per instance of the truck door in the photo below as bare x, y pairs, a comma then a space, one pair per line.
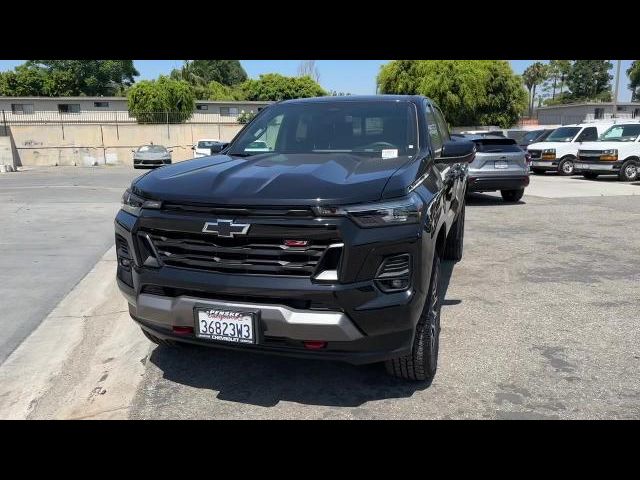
445, 171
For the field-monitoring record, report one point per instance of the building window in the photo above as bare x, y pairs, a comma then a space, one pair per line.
598, 113
21, 108
229, 111
202, 107
101, 104
69, 107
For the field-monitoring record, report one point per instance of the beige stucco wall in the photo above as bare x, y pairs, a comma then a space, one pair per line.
49, 145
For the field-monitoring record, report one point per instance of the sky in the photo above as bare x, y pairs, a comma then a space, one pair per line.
349, 76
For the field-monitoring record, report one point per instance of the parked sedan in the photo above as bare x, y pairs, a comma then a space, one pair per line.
500, 164
151, 156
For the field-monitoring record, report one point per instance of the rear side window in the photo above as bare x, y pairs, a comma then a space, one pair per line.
490, 145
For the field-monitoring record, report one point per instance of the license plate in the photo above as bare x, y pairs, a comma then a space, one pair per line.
501, 164
580, 165
226, 325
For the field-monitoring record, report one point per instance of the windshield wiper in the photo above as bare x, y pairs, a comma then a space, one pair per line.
241, 154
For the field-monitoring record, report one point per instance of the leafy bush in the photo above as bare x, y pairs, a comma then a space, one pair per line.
162, 100
276, 87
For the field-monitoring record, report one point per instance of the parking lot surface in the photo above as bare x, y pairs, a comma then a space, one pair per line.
55, 224
540, 318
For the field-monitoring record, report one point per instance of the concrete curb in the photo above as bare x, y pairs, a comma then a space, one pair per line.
83, 361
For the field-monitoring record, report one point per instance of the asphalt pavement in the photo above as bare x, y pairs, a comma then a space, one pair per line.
540, 318
55, 223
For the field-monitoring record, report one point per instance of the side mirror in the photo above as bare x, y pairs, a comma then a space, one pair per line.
170, 150
193, 147
133, 151
457, 151
217, 148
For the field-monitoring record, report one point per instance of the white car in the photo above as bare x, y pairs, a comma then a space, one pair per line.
204, 146
617, 152
560, 149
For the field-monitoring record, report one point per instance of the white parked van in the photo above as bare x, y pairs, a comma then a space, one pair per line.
560, 149
617, 152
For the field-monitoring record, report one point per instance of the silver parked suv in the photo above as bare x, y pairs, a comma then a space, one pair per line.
500, 164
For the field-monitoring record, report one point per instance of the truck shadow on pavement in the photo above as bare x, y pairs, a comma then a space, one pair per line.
265, 380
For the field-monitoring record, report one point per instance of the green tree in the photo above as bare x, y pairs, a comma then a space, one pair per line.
275, 87
218, 91
22, 82
534, 75
634, 80
162, 100
68, 78
84, 77
557, 73
590, 80
469, 92
203, 72
505, 98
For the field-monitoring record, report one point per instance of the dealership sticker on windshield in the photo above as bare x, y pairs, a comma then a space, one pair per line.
390, 153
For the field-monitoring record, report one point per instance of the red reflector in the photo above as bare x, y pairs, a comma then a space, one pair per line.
182, 330
296, 243
314, 344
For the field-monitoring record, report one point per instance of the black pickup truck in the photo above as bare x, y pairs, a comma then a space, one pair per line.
325, 242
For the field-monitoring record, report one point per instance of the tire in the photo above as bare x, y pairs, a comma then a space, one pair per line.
537, 171
565, 167
158, 341
422, 363
512, 195
629, 171
590, 175
455, 241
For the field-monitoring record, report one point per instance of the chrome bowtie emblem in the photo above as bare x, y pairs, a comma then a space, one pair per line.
226, 228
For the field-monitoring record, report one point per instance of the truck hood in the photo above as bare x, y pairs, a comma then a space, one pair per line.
272, 179
545, 145
609, 146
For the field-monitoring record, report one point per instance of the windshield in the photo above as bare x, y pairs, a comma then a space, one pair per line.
207, 143
563, 134
379, 129
622, 133
531, 136
152, 149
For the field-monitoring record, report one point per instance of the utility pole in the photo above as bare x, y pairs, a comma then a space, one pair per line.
615, 94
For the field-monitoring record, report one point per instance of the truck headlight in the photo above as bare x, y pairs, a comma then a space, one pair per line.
133, 204
609, 155
396, 212
549, 154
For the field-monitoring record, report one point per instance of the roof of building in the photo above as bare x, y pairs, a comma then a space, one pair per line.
124, 99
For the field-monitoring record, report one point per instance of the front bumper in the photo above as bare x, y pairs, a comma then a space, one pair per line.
601, 167
493, 183
151, 163
544, 164
360, 323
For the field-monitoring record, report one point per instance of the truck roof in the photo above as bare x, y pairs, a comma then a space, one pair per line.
359, 98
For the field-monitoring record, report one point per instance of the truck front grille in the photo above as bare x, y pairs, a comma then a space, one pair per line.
246, 255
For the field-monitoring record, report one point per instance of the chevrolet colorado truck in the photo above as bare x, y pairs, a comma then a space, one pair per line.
617, 152
327, 245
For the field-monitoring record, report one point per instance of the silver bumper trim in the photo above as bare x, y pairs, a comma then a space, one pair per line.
277, 320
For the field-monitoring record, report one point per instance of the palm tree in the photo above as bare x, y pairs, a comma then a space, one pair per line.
534, 75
